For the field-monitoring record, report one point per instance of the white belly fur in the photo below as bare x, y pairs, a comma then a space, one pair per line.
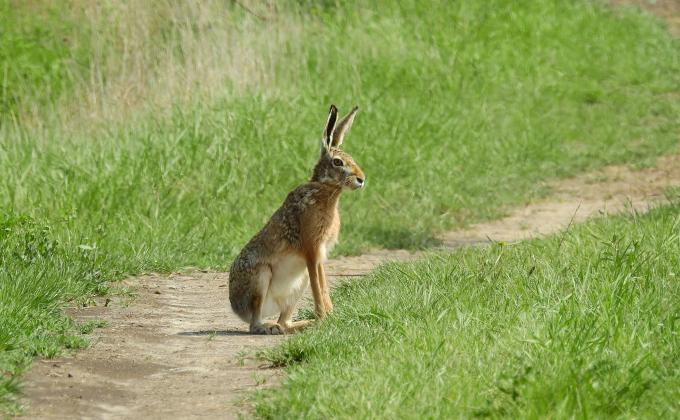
289, 281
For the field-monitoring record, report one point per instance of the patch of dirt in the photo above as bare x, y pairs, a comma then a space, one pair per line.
179, 352
175, 352
609, 190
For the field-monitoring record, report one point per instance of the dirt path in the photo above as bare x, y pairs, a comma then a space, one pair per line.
177, 351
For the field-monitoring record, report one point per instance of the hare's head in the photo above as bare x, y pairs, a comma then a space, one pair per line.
335, 166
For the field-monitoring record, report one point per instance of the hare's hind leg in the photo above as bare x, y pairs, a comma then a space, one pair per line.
259, 293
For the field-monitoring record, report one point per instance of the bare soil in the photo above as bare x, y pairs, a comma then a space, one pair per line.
177, 351
609, 190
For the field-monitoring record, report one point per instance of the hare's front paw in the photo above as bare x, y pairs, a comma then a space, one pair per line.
292, 327
268, 328
328, 305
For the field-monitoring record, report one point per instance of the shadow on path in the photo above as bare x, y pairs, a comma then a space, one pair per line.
209, 333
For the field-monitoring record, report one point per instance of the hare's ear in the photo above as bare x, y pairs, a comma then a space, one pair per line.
342, 127
328, 130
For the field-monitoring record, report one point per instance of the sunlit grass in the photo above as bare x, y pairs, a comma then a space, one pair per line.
583, 324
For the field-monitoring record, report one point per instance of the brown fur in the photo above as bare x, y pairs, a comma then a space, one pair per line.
301, 231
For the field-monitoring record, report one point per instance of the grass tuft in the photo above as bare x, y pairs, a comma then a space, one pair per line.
38, 273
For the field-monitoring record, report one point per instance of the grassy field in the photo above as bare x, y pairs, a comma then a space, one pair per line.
585, 324
141, 136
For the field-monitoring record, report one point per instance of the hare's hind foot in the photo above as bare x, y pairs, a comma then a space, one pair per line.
267, 328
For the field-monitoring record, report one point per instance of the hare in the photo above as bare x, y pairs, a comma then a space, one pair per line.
272, 271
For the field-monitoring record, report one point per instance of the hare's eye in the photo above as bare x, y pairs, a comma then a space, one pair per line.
337, 162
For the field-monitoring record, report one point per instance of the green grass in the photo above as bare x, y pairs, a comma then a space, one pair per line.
37, 274
585, 324
466, 108
37, 54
